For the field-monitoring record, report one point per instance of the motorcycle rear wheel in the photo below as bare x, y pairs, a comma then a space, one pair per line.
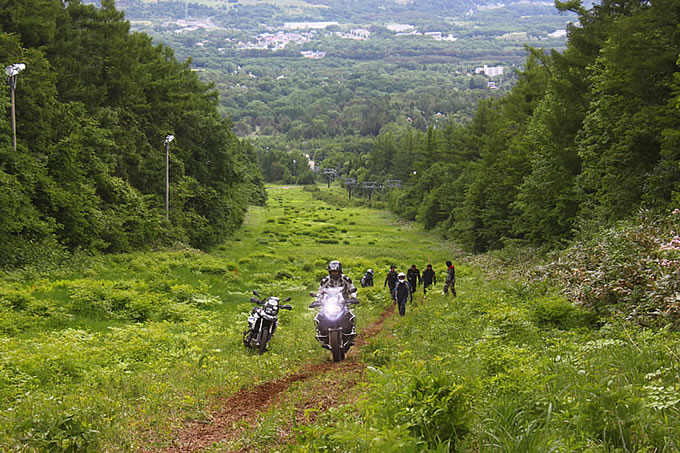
335, 343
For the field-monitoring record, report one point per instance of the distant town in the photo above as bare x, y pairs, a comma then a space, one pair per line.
305, 32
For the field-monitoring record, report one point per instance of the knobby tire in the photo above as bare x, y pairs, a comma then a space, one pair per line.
335, 342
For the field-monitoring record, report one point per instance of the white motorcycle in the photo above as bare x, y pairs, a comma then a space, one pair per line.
263, 321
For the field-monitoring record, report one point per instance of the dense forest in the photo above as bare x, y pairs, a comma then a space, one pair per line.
586, 137
359, 85
93, 109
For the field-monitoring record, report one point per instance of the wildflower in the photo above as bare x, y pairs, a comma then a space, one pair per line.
676, 211
673, 245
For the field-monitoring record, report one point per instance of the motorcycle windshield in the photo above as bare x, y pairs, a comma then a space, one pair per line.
272, 306
332, 302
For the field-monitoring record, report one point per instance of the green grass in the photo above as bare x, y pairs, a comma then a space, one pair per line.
114, 346
97, 355
519, 371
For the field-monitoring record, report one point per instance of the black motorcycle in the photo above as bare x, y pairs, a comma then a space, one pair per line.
262, 322
335, 323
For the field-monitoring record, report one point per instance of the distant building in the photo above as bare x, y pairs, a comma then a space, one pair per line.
308, 25
558, 34
360, 33
399, 28
490, 71
313, 54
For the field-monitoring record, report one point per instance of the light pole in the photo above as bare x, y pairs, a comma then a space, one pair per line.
294, 163
168, 139
12, 72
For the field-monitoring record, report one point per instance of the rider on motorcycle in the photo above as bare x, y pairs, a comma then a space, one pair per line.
367, 279
337, 279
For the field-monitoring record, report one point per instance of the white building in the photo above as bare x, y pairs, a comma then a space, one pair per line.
490, 71
399, 28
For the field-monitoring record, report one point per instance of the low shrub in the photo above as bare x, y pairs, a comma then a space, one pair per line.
558, 312
632, 270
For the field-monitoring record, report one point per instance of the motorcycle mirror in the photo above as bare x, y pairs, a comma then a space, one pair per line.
256, 293
286, 307
286, 299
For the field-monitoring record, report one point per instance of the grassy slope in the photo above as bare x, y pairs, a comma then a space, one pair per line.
120, 344
120, 351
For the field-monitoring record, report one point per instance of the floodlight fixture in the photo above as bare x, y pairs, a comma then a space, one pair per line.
14, 69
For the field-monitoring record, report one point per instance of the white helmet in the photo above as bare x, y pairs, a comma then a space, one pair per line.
401, 275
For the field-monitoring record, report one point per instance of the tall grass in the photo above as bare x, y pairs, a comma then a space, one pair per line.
95, 354
515, 367
115, 352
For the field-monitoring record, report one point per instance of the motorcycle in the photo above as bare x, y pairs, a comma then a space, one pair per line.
335, 322
262, 322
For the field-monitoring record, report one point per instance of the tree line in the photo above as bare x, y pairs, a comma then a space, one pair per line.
93, 108
586, 137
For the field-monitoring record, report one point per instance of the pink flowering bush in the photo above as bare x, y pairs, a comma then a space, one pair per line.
632, 269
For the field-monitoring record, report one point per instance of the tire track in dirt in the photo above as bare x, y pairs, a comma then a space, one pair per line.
243, 407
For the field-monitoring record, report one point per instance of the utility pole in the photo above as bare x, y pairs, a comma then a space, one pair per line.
12, 72
168, 139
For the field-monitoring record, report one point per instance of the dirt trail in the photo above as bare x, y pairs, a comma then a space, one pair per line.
243, 408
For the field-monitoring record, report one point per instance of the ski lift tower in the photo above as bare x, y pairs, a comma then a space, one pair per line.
330, 173
370, 186
349, 183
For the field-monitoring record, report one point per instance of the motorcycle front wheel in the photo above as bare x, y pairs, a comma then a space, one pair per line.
335, 343
263, 341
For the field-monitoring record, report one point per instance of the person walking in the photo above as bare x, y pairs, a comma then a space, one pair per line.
429, 278
413, 277
391, 280
450, 279
402, 291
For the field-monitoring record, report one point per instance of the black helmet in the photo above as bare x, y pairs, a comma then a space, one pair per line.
334, 266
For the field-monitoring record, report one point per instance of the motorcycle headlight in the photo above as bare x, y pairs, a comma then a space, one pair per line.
271, 310
332, 309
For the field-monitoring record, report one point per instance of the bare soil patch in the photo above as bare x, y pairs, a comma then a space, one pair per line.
240, 410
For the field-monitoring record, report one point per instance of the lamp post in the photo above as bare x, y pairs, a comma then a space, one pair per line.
12, 72
168, 139
294, 164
